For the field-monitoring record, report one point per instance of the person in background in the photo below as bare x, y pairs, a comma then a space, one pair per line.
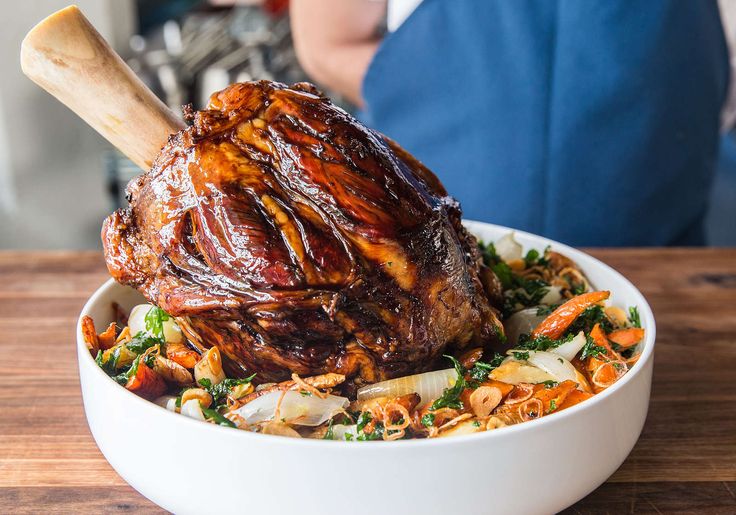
595, 123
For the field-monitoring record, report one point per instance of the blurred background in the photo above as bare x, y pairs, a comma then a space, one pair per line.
59, 179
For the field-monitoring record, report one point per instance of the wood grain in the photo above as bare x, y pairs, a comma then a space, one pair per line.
685, 461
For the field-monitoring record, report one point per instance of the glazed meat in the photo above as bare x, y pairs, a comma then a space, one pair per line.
283, 231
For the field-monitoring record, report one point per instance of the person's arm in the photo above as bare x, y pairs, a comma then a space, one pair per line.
335, 41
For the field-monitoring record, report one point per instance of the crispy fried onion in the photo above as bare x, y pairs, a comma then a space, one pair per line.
303, 386
323, 382
520, 393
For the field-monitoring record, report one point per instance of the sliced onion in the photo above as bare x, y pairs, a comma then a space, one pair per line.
339, 430
513, 371
508, 248
556, 366
553, 296
428, 385
521, 322
298, 409
192, 409
137, 324
167, 401
569, 350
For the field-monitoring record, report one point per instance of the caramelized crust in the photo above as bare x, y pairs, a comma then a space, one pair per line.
295, 239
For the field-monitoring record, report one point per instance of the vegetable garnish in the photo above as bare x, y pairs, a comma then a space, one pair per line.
566, 345
155, 319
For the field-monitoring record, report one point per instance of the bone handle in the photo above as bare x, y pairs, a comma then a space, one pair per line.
67, 57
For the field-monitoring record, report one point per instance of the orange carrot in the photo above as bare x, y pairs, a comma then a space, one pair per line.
560, 319
146, 383
600, 339
627, 337
106, 338
575, 397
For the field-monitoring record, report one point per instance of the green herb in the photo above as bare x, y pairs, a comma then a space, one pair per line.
329, 435
504, 274
634, 316
363, 419
588, 318
428, 420
481, 370
305, 394
124, 376
349, 437
219, 419
476, 423
590, 349
221, 390
521, 356
450, 397
110, 364
142, 342
541, 342
552, 406
543, 311
155, 319
550, 384
578, 289
488, 253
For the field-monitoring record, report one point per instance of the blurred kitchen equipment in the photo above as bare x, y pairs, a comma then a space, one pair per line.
66, 56
186, 59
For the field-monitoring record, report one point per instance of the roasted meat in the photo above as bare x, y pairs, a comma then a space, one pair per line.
295, 239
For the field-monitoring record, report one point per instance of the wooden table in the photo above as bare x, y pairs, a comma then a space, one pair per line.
685, 461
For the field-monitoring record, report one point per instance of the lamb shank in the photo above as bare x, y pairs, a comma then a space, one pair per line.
283, 231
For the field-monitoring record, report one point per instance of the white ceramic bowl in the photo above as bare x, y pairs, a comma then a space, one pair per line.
541, 466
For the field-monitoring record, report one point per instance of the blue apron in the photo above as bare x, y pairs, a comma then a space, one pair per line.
591, 122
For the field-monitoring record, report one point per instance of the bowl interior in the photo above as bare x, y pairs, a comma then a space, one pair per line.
601, 276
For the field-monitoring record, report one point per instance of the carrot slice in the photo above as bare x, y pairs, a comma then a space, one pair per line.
575, 397
627, 337
146, 383
106, 338
560, 319
600, 339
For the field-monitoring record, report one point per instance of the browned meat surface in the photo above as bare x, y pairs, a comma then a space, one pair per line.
280, 229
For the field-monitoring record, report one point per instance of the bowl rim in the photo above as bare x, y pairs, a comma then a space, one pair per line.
645, 312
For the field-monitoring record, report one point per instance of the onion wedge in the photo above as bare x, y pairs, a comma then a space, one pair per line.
569, 350
428, 385
296, 408
555, 365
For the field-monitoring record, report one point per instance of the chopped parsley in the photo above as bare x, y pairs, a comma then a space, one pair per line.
142, 342
533, 257
481, 369
428, 420
552, 406
542, 342
218, 418
634, 316
155, 319
588, 318
590, 349
521, 355
543, 311
221, 390
376, 434
329, 435
550, 383
488, 253
476, 423
450, 398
